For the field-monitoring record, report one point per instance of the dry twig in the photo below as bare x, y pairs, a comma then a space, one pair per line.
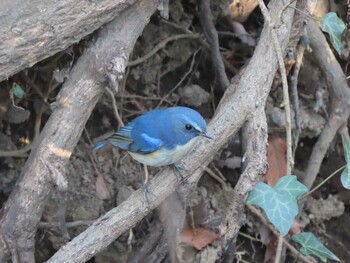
340, 99
210, 33
45, 31
161, 45
295, 98
292, 249
231, 114
22, 212
286, 104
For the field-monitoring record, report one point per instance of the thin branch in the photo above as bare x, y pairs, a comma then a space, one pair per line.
227, 64
68, 224
286, 102
340, 99
295, 98
239, 101
295, 252
181, 80
210, 33
75, 101
161, 45
323, 182
22, 151
115, 108
255, 168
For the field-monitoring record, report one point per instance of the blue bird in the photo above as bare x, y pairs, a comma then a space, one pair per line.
159, 137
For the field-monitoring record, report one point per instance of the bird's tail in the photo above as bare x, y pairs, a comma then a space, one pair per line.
121, 139
99, 145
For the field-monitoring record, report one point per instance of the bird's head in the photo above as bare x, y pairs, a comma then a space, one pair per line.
187, 124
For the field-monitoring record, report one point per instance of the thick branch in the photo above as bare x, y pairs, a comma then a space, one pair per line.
33, 30
74, 104
256, 165
239, 102
339, 94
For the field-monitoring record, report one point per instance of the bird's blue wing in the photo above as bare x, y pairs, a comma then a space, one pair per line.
133, 139
121, 138
143, 143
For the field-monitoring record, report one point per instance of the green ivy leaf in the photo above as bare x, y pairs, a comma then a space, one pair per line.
17, 91
334, 26
279, 202
311, 246
345, 175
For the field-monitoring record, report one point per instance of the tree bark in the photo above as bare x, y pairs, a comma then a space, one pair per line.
340, 100
46, 164
245, 95
32, 30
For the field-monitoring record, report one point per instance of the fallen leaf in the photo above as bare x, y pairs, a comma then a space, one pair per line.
241, 9
276, 158
271, 248
101, 188
197, 237
295, 229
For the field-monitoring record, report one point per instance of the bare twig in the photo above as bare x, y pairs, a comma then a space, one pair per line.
239, 101
17, 153
295, 98
227, 64
215, 176
292, 249
115, 108
210, 33
340, 99
323, 182
161, 45
146, 247
255, 168
22, 212
286, 104
181, 80
68, 224
21, 152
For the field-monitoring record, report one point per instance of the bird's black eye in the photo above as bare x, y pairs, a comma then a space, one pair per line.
188, 127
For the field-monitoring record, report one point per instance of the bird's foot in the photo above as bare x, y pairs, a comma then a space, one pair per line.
147, 193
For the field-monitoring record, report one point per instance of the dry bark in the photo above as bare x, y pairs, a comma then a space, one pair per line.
33, 30
46, 164
339, 98
245, 96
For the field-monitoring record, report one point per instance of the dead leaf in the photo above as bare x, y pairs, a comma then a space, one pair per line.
271, 247
197, 237
101, 188
17, 114
276, 158
295, 229
241, 9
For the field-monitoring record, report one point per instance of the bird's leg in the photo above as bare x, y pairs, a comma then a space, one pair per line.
146, 174
145, 187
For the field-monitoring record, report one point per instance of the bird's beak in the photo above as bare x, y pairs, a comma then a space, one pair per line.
206, 135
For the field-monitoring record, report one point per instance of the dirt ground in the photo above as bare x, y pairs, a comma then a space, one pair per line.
101, 181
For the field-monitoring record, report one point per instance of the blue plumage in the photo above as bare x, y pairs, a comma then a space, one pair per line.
99, 145
166, 132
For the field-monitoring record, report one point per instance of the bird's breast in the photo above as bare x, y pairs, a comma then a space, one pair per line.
164, 156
